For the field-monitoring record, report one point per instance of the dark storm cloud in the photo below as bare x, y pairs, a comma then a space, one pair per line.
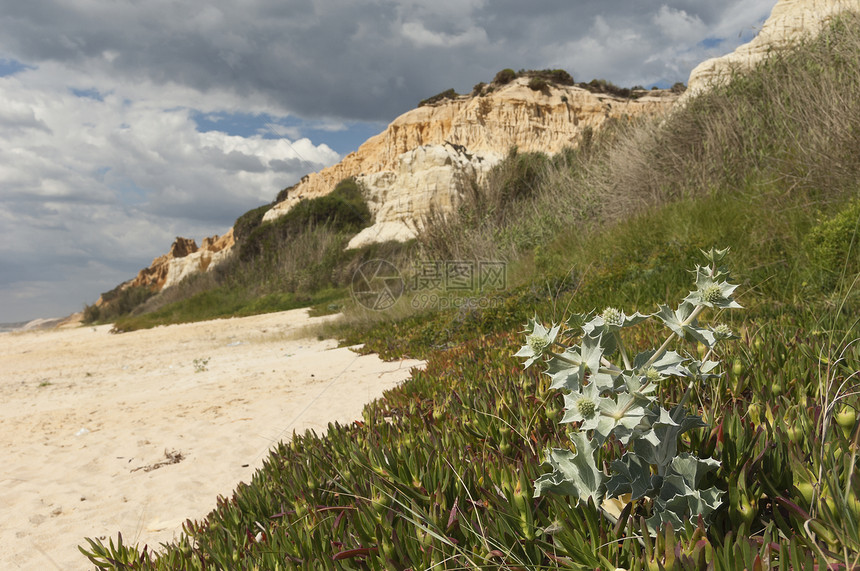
360, 59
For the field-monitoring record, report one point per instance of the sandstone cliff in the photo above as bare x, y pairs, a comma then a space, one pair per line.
428, 179
789, 21
423, 160
183, 259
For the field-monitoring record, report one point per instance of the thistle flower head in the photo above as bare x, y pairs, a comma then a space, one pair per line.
652, 375
712, 293
723, 331
538, 342
539, 339
612, 317
586, 407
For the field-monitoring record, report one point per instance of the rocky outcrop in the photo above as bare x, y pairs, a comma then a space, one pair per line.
423, 161
789, 21
425, 180
183, 259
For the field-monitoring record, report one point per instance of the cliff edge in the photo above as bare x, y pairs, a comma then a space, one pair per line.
790, 21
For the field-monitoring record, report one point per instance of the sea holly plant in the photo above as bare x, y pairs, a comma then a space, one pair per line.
610, 397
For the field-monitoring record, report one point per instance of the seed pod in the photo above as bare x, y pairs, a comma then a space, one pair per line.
748, 511
806, 490
846, 419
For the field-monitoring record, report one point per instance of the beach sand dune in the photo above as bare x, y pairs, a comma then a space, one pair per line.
135, 433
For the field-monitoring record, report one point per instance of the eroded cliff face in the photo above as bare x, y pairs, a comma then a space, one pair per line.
789, 22
183, 259
423, 161
426, 158
428, 180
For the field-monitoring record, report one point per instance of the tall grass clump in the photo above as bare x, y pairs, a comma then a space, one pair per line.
791, 123
517, 208
788, 129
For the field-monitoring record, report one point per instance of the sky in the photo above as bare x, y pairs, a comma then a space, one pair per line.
126, 123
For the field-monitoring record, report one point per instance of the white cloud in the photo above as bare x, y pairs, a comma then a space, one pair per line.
116, 178
421, 36
678, 25
741, 20
656, 43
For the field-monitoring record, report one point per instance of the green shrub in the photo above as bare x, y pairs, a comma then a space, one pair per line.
447, 94
118, 302
505, 76
342, 210
92, 313
678, 87
548, 76
538, 84
834, 243
604, 86
517, 177
552, 76
282, 195
249, 221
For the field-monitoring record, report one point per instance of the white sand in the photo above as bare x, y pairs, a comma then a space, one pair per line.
82, 412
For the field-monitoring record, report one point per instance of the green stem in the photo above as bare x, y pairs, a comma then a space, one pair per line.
608, 366
565, 359
665, 345
689, 389
661, 351
623, 352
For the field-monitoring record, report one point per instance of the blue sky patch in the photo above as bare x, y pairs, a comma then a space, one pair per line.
130, 194
662, 84
709, 43
343, 139
348, 140
12, 66
91, 93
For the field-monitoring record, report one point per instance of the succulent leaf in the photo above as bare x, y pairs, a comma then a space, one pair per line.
693, 469
679, 503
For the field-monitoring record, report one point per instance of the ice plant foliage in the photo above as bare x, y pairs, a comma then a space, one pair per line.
610, 397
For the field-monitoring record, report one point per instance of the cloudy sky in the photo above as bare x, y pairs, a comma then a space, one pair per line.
126, 123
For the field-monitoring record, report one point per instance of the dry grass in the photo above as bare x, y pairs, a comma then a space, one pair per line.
791, 126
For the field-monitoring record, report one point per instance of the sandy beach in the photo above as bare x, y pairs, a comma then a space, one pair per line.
137, 432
